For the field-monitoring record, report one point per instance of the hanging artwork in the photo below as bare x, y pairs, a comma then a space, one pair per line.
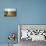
9, 12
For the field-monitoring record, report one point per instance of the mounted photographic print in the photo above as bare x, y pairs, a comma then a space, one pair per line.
9, 12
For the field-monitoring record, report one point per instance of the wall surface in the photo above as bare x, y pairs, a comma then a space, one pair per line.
28, 12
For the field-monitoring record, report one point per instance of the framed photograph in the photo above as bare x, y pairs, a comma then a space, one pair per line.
9, 12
